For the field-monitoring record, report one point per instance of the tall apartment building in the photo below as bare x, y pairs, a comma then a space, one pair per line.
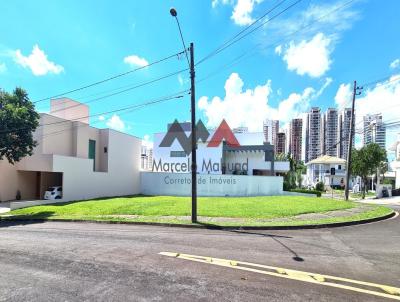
270, 129
280, 146
313, 134
296, 138
374, 130
330, 139
344, 122
146, 162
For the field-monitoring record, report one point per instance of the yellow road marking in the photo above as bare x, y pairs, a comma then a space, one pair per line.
326, 280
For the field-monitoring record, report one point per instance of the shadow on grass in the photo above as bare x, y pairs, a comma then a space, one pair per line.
57, 204
276, 238
24, 219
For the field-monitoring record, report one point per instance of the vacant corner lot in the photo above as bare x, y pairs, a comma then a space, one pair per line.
259, 211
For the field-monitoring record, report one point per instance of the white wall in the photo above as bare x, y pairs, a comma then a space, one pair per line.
154, 183
122, 178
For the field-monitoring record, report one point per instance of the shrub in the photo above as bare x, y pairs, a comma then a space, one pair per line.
318, 193
320, 186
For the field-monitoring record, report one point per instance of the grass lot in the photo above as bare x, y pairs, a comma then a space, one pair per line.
172, 209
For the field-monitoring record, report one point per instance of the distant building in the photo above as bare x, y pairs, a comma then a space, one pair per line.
313, 134
240, 130
374, 130
270, 129
344, 133
146, 160
327, 169
280, 147
296, 138
330, 132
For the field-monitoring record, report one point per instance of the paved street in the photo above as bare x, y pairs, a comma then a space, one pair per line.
56, 261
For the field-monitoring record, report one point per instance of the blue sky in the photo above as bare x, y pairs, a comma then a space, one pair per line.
48, 47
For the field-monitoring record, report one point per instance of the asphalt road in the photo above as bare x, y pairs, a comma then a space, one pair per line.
57, 261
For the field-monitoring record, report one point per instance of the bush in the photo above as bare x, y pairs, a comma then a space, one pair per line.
318, 193
320, 186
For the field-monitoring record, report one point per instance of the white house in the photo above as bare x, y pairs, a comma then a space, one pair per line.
86, 161
327, 169
250, 157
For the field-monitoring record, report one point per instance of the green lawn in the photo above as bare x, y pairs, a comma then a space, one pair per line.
168, 209
247, 207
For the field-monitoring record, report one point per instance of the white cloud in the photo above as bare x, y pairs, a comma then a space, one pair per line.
395, 64
330, 17
309, 57
116, 123
37, 62
135, 60
102, 118
343, 96
251, 107
214, 3
278, 50
182, 80
147, 142
3, 68
241, 14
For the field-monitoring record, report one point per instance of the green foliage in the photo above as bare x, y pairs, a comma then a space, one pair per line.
320, 186
366, 161
17, 112
318, 193
294, 176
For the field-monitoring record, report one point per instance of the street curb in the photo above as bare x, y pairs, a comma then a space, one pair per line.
212, 226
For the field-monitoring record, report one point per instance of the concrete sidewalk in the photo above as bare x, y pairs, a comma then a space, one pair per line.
394, 200
4, 207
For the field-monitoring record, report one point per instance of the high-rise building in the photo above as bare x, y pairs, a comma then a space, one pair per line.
313, 134
344, 122
330, 132
280, 146
296, 138
271, 129
374, 130
146, 158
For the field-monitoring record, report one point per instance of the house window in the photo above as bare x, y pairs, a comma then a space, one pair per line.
339, 167
178, 154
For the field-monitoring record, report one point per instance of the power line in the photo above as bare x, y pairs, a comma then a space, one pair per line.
134, 108
174, 96
274, 44
221, 48
122, 91
109, 78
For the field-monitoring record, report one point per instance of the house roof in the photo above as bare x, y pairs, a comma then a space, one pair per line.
326, 159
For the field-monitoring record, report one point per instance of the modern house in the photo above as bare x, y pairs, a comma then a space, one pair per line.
327, 169
86, 161
251, 156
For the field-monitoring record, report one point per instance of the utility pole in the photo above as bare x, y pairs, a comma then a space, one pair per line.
174, 14
194, 135
348, 161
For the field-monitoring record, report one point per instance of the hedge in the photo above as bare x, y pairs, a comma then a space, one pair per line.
318, 193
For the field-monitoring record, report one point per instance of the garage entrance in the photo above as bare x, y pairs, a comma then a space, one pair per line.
33, 184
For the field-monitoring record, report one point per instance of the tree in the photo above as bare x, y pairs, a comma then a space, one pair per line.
293, 177
18, 121
366, 161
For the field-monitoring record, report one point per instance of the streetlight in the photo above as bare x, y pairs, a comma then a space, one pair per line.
174, 14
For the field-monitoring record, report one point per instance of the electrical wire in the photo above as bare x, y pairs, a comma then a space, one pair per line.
158, 100
109, 78
219, 49
122, 91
